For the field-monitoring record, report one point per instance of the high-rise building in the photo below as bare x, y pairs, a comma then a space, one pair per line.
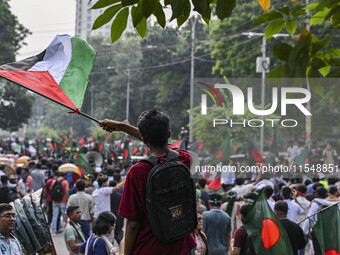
85, 17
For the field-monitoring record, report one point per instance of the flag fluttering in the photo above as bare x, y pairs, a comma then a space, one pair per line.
59, 73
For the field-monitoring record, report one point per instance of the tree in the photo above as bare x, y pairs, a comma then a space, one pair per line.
15, 103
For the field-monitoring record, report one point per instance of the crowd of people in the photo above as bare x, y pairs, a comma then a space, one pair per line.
106, 212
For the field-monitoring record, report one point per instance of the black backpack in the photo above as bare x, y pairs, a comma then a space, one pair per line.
170, 198
57, 191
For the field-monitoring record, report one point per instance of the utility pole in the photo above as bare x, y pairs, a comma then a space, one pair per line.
192, 75
128, 94
265, 68
309, 106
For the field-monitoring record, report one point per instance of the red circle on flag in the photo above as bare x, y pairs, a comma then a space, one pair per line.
270, 233
332, 252
256, 155
219, 155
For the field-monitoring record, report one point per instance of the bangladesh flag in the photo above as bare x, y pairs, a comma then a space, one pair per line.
327, 230
82, 163
255, 155
302, 159
265, 230
223, 153
126, 152
236, 145
59, 73
197, 147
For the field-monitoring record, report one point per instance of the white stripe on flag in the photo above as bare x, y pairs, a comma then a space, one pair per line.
57, 57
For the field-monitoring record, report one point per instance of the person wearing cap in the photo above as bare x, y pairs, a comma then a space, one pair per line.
89, 187
217, 226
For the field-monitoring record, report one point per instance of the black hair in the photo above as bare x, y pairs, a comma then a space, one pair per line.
250, 197
202, 182
5, 207
117, 177
239, 181
80, 185
321, 192
215, 199
268, 191
281, 206
245, 209
4, 179
31, 164
307, 182
102, 180
332, 180
286, 192
332, 189
316, 185
71, 209
104, 221
154, 125
302, 189
315, 178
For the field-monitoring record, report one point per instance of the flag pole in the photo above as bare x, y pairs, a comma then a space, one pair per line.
40, 94
324, 209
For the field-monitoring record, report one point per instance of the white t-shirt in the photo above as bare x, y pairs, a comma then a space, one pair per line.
102, 200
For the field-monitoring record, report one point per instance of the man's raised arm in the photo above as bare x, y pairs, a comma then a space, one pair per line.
112, 125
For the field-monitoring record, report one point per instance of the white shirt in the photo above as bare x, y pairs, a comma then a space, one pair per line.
102, 200
292, 152
304, 203
293, 210
271, 203
242, 190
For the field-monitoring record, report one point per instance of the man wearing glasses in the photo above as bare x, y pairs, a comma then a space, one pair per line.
9, 245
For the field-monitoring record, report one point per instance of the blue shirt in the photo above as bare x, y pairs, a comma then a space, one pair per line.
96, 246
216, 225
10, 246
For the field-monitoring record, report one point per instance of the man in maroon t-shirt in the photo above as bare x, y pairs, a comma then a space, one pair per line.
153, 130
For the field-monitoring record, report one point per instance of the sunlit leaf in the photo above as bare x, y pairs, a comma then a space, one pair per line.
273, 28
119, 24
106, 16
291, 26
269, 16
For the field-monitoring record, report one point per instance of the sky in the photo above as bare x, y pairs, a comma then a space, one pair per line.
45, 19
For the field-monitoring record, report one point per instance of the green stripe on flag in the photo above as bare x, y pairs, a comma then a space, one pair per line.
74, 81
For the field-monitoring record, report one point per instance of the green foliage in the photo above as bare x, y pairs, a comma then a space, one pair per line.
100, 134
143, 9
15, 103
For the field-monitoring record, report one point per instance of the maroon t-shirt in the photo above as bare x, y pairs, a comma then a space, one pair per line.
240, 239
133, 207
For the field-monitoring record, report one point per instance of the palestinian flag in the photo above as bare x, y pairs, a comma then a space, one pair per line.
265, 230
255, 155
223, 152
59, 73
327, 230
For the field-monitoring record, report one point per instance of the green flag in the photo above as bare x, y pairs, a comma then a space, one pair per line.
82, 163
197, 147
265, 230
223, 152
327, 230
254, 151
302, 159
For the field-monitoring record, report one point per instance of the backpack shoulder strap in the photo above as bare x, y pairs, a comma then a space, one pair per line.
172, 155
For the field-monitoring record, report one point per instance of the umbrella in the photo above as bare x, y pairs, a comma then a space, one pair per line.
68, 167
4, 161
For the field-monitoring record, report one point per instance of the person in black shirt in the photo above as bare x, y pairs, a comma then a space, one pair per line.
294, 232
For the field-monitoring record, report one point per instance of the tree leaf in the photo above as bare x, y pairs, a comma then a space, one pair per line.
285, 10
291, 26
119, 24
142, 28
265, 4
273, 28
318, 45
224, 8
129, 2
297, 9
276, 72
334, 52
200, 6
148, 7
103, 3
316, 87
325, 70
282, 51
137, 14
335, 61
106, 16
335, 19
319, 17
159, 13
184, 15
335, 73
177, 7
312, 6
269, 16
317, 63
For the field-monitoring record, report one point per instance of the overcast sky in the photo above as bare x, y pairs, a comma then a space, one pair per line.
45, 19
